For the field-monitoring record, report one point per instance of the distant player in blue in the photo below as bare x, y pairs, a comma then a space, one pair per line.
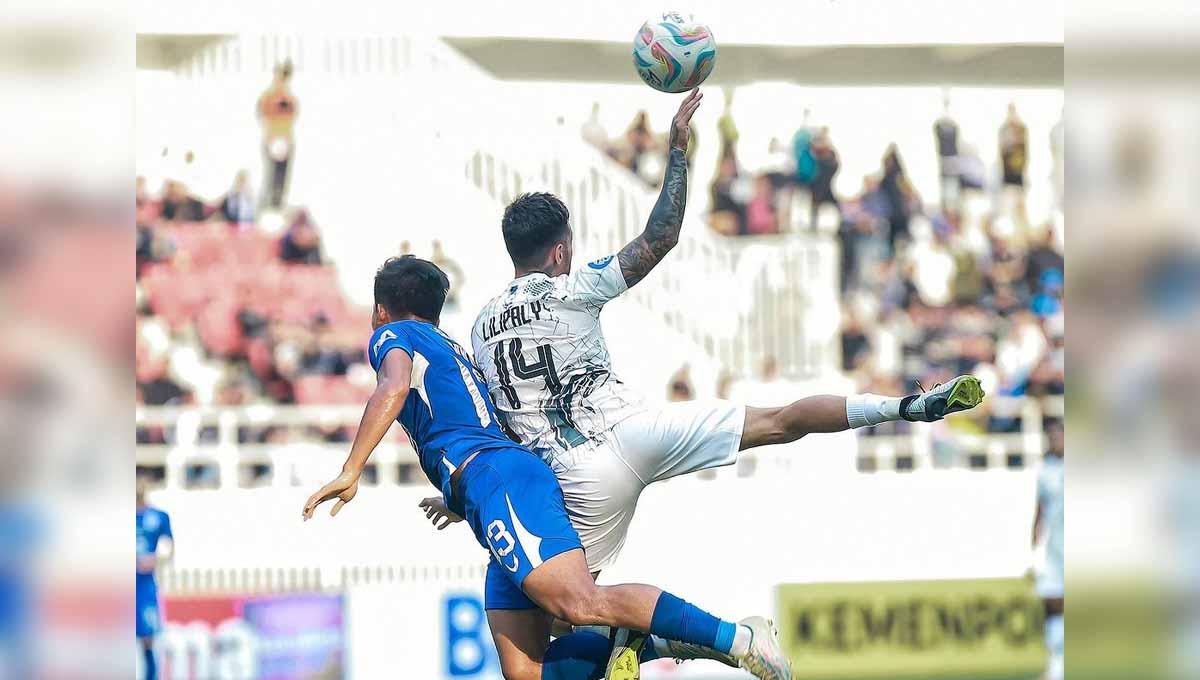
155, 544
511, 501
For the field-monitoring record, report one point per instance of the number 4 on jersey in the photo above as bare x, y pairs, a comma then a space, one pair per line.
510, 362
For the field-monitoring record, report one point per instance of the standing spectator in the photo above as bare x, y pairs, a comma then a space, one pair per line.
1058, 142
945, 132
727, 129
453, 272
806, 164
899, 193
300, 243
237, 207
592, 131
760, 212
277, 111
828, 164
1013, 149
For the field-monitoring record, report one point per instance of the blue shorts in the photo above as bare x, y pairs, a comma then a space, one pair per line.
149, 622
515, 507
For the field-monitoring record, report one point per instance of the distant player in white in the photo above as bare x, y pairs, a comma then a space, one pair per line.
540, 347
1048, 529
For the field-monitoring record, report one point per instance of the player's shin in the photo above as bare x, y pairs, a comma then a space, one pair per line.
677, 619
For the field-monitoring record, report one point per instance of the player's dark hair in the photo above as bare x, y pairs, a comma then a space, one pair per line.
408, 285
532, 224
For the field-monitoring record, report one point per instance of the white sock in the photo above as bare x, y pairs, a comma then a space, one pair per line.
865, 410
1055, 643
741, 642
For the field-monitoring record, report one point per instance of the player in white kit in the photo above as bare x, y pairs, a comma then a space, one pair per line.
541, 349
1048, 528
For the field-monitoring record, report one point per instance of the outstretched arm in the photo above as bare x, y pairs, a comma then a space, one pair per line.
641, 254
382, 408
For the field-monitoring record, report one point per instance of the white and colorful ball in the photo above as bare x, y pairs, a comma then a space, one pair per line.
672, 53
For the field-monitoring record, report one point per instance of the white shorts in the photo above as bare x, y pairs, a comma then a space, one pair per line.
1050, 583
602, 480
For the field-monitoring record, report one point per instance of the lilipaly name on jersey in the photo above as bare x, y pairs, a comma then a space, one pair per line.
541, 350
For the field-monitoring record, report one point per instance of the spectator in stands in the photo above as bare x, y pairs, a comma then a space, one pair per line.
237, 206
453, 272
760, 212
154, 386
945, 134
827, 166
593, 132
179, 205
971, 170
639, 139
1042, 257
900, 196
300, 243
680, 386
141, 195
277, 110
324, 356
728, 215
856, 346
1014, 150
726, 130
806, 163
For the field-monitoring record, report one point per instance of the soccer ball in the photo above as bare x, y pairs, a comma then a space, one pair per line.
674, 54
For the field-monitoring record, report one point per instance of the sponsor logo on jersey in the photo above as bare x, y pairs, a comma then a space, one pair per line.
601, 263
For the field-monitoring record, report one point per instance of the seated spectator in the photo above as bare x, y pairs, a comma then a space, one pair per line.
300, 243
237, 206
760, 212
324, 356
178, 205
728, 215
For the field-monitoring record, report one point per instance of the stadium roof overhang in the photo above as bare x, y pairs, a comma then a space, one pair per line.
1038, 65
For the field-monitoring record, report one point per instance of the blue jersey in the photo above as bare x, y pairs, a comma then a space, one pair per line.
447, 415
153, 525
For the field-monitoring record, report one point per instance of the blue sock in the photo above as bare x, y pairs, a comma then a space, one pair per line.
581, 655
151, 664
675, 619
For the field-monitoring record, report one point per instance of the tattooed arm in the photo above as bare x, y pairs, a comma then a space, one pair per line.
641, 254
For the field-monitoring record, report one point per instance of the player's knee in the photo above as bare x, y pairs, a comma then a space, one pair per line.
581, 607
770, 426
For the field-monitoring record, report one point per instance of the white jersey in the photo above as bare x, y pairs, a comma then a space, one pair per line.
547, 366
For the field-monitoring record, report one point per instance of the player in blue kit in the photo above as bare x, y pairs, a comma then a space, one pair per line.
511, 501
155, 545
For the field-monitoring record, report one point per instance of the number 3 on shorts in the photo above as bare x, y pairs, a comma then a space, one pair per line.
503, 544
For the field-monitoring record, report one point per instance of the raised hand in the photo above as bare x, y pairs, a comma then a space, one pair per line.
680, 132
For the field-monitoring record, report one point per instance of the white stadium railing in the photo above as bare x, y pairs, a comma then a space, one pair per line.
304, 459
